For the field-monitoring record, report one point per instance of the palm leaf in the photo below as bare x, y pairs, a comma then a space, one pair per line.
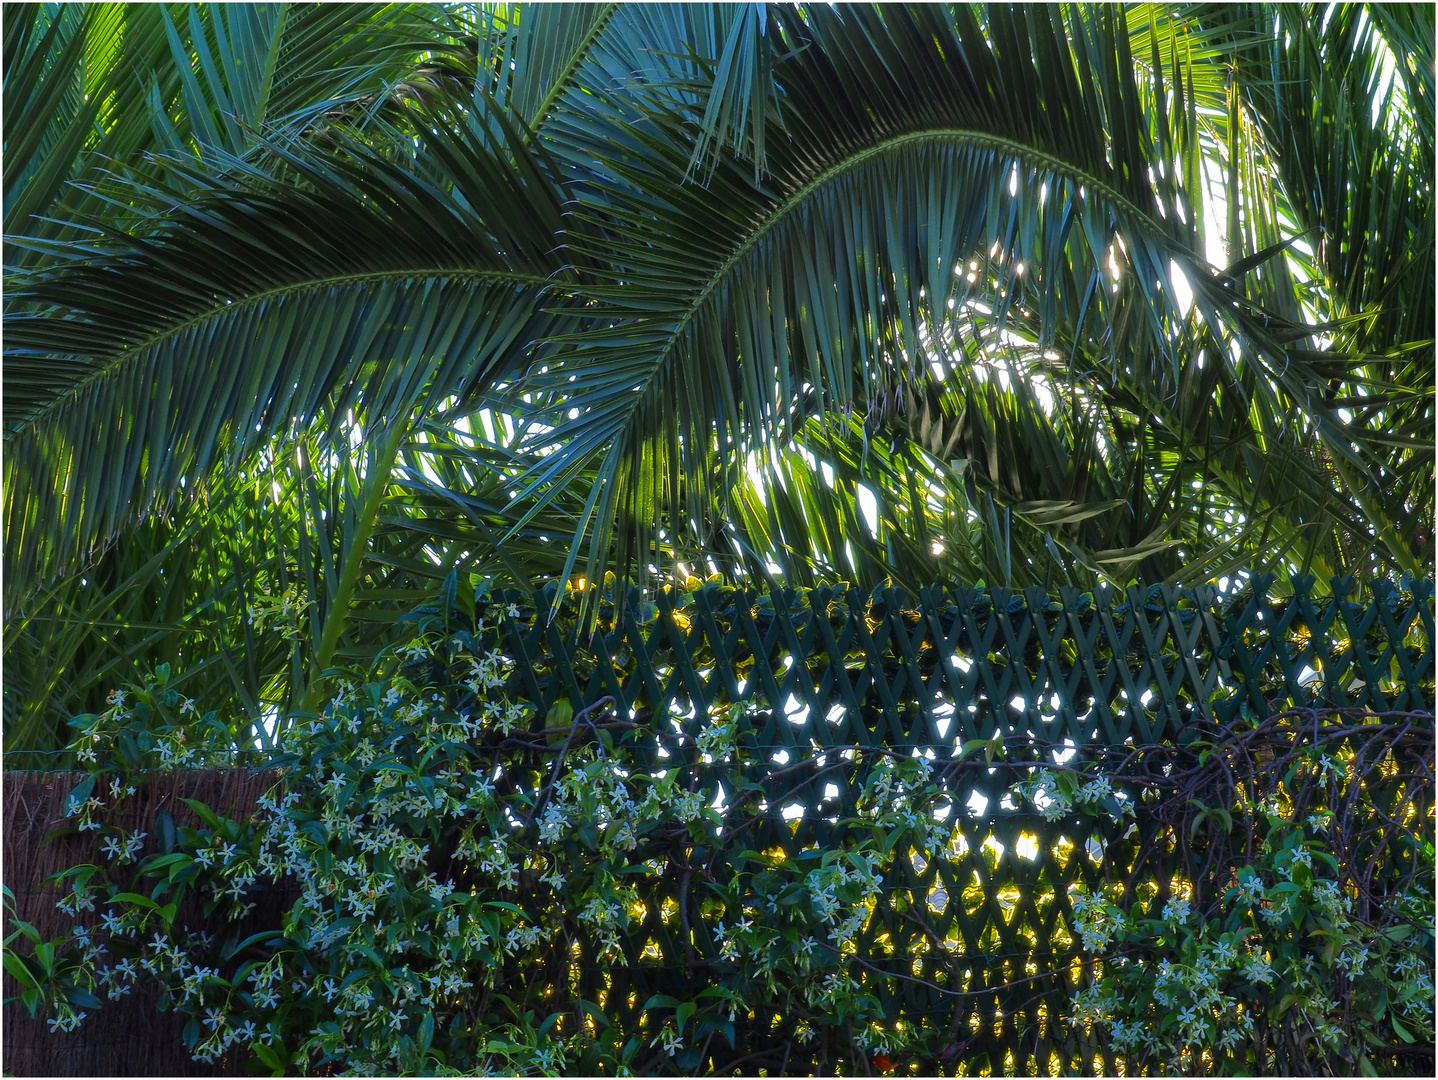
195, 344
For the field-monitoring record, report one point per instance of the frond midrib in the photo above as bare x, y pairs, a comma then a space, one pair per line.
581, 54
1095, 185
130, 352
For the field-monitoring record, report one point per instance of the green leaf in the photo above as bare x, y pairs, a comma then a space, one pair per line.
79, 795
205, 814
505, 905
19, 969
1067, 784
683, 1013
271, 1056
163, 862
134, 898
81, 998
560, 714
165, 831
971, 745
447, 591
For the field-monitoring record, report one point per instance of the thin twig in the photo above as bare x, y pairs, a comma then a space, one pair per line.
543, 797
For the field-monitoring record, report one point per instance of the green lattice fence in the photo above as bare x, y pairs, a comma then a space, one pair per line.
973, 945
1099, 667
987, 925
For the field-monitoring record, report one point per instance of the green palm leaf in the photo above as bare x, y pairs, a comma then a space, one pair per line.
1029, 295
197, 336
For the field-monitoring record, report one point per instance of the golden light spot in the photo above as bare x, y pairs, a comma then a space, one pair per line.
1062, 849
1060, 938
1008, 898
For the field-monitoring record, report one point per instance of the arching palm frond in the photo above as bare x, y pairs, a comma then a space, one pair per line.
90, 89
255, 307
1028, 295
915, 145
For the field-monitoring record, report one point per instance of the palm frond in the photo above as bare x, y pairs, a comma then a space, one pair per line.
831, 284
195, 341
1028, 295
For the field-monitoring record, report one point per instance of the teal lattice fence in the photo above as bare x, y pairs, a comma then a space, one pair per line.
975, 947
971, 942
1099, 667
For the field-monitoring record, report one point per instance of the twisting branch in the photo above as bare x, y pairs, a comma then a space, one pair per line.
580, 717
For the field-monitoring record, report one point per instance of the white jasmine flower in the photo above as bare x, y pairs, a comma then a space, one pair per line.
1176, 910
1257, 969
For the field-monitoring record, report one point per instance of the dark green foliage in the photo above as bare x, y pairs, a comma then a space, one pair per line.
969, 960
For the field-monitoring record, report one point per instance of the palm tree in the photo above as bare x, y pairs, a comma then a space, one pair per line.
1025, 295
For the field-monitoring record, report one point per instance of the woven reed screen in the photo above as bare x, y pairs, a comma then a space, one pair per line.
129, 1037
973, 947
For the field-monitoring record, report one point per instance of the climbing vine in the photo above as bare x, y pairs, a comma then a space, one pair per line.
470, 888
